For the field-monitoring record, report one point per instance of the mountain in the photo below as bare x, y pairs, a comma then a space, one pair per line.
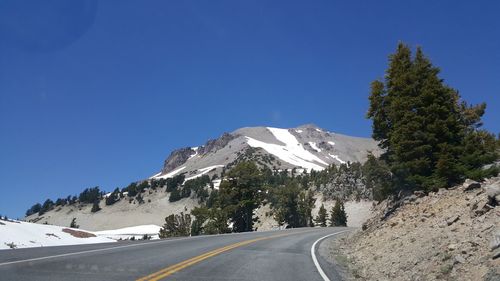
300, 149
305, 147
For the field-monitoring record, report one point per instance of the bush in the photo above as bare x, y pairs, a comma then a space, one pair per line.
176, 225
175, 195
95, 207
73, 224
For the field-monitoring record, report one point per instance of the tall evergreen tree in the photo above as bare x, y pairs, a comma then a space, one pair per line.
377, 177
338, 215
421, 123
240, 194
95, 206
322, 217
305, 206
73, 224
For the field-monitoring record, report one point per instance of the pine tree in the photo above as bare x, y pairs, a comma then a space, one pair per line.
175, 195
421, 123
240, 195
338, 215
95, 206
305, 205
322, 217
377, 177
284, 203
113, 197
73, 224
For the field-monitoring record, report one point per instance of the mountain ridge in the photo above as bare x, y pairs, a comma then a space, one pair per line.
306, 146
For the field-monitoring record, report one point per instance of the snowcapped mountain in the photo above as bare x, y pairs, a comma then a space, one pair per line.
307, 147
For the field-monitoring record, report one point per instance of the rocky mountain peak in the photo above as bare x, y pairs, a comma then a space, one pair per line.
307, 146
177, 158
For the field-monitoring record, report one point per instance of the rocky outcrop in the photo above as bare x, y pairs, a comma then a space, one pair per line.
176, 159
215, 145
451, 234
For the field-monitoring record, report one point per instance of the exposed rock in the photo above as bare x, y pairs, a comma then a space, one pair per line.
419, 193
452, 247
176, 159
496, 254
412, 198
459, 259
470, 185
214, 145
481, 208
452, 220
493, 192
495, 241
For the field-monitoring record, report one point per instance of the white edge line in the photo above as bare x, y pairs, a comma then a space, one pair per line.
315, 260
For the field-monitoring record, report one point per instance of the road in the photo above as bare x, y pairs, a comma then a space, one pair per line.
273, 255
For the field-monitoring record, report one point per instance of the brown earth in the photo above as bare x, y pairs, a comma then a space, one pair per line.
78, 233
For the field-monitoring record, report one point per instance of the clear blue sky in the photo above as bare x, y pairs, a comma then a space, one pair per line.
99, 93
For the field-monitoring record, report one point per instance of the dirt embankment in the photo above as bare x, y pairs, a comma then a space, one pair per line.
452, 234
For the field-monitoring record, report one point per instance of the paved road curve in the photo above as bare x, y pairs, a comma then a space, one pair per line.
274, 255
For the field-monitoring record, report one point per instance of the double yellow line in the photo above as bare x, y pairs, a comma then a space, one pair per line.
179, 266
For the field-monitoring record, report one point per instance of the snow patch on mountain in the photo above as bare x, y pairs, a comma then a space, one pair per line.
171, 174
314, 146
216, 183
291, 152
195, 152
204, 171
331, 143
336, 157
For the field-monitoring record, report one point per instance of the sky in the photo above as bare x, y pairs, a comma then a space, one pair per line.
98, 93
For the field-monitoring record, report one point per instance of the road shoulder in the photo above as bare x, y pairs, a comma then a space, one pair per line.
335, 264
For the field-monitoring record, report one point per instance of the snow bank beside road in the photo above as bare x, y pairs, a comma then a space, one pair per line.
16, 234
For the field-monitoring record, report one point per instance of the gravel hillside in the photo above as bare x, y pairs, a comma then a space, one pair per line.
448, 235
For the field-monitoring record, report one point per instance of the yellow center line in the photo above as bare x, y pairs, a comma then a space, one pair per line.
194, 260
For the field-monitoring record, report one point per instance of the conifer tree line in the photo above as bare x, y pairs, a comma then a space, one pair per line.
431, 137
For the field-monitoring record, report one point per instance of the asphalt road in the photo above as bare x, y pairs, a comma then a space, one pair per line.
273, 255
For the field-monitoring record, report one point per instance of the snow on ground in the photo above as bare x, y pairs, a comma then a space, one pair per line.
314, 146
336, 157
128, 232
195, 152
298, 131
331, 142
319, 130
292, 152
26, 235
155, 175
216, 183
204, 171
171, 174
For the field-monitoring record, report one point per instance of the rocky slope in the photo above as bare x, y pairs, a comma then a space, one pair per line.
449, 235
